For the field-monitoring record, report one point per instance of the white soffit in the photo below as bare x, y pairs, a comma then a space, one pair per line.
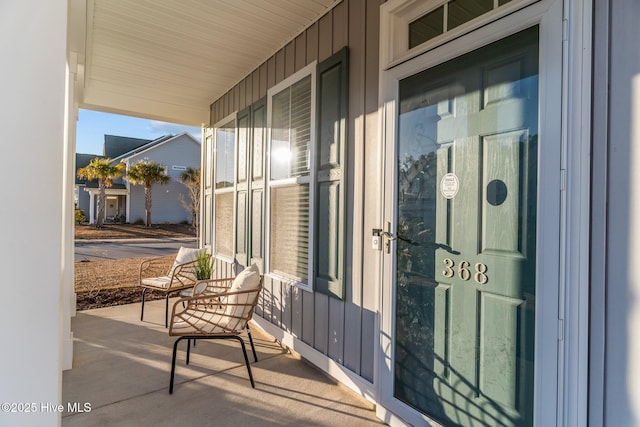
170, 59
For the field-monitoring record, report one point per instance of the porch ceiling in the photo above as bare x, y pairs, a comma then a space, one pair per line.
169, 59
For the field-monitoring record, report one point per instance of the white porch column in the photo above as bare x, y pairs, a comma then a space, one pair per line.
68, 288
92, 207
33, 48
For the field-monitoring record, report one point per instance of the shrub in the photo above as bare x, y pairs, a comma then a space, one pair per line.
79, 216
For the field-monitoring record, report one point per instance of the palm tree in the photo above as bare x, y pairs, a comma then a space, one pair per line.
147, 173
190, 178
102, 170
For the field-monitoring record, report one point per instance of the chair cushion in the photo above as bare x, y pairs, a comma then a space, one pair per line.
184, 255
248, 279
161, 282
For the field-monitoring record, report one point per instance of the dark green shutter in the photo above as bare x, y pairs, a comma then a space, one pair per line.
332, 102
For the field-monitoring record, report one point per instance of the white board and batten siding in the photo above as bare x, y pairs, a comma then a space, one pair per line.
342, 330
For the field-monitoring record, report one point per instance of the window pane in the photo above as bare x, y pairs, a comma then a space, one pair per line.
280, 136
426, 27
258, 141
208, 161
474, 118
241, 223
256, 225
224, 224
206, 221
461, 11
291, 131
243, 140
225, 150
289, 244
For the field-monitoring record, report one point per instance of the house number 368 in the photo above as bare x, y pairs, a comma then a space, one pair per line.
464, 272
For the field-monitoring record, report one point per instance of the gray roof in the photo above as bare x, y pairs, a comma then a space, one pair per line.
115, 146
143, 147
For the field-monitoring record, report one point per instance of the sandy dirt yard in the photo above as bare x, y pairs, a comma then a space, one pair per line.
114, 282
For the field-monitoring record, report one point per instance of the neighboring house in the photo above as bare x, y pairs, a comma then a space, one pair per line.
126, 202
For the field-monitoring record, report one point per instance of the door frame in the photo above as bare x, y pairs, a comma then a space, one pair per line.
117, 208
548, 367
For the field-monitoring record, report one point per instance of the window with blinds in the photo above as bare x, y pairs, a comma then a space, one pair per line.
279, 182
225, 141
291, 164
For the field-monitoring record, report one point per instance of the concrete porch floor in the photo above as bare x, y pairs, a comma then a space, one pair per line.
121, 370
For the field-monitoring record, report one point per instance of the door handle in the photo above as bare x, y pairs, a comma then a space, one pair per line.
388, 237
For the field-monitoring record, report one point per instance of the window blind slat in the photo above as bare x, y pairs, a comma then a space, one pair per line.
291, 131
289, 245
224, 224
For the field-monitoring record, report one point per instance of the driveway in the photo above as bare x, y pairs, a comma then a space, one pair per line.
130, 249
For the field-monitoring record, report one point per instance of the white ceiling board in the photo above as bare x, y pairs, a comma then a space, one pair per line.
171, 59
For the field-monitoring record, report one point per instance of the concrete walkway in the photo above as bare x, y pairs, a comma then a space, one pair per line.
120, 377
130, 249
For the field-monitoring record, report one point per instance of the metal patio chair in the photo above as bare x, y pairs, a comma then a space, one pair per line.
182, 275
218, 309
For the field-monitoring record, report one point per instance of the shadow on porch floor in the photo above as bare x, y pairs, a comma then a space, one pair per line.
120, 377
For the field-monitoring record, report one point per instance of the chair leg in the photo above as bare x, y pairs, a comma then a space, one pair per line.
173, 364
253, 348
144, 291
246, 360
175, 351
166, 311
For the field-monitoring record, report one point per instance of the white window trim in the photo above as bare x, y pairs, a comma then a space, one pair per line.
215, 191
206, 171
309, 70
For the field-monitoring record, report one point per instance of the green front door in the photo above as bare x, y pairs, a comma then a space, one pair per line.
465, 258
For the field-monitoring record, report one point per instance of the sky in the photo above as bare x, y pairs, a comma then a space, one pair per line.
92, 126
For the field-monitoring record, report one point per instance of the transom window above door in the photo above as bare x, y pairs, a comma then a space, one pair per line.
448, 16
415, 27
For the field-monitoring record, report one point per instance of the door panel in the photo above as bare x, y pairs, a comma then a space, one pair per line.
501, 192
465, 259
